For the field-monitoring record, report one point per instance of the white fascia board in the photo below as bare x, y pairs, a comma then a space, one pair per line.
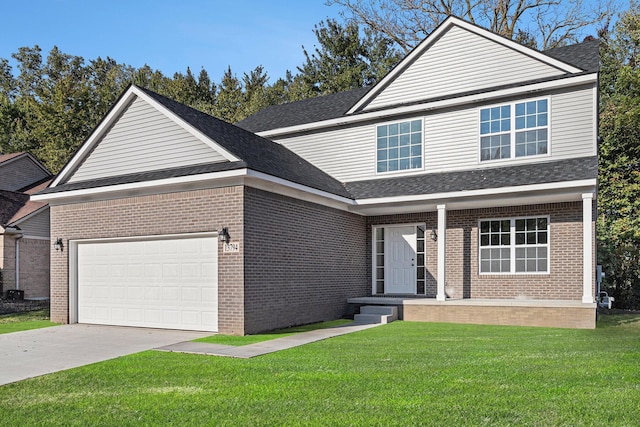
445, 103
186, 126
110, 120
298, 187
435, 35
95, 136
139, 186
479, 193
241, 176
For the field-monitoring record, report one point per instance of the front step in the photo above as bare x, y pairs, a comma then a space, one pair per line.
376, 314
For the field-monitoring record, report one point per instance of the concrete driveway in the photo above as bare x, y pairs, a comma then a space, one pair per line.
43, 351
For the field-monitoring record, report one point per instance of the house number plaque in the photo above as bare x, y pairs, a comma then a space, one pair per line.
231, 247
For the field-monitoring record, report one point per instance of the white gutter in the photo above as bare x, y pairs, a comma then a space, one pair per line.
478, 193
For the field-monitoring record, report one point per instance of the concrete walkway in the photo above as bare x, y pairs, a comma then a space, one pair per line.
38, 352
265, 347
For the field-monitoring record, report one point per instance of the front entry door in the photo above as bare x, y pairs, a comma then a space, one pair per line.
400, 265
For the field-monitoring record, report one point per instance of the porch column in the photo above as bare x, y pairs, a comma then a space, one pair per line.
587, 245
442, 246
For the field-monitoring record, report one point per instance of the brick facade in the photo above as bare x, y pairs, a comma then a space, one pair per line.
555, 317
302, 261
564, 282
34, 268
174, 213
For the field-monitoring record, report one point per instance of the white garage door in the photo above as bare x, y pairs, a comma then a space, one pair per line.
167, 283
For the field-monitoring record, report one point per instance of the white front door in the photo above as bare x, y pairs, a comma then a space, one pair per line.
400, 260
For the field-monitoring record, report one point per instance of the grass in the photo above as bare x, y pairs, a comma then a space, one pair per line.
15, 322
401, 374
280, 333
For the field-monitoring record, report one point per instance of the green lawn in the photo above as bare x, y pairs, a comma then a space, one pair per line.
401, 374
24, 321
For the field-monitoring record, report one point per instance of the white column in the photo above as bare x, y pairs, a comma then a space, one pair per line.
587, 245
442, 246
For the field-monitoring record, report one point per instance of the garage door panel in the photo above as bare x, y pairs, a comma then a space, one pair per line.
160, 283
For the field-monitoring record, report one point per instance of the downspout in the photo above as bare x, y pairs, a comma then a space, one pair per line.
17, 238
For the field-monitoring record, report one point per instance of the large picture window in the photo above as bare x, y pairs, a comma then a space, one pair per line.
514, 130
399, 146
515, 245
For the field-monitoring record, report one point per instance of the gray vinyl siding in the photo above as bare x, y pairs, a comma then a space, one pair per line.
572, 124
144, 139
37, 225
20, 173
459, 62
346, 154
451, 140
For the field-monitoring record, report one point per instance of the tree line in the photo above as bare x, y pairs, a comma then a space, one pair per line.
49, 105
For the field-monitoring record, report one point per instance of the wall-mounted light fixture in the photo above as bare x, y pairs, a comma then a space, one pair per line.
223, 235
58, 245
434, 235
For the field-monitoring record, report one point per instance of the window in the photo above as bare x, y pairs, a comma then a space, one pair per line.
399, 146
519, 245
514, 130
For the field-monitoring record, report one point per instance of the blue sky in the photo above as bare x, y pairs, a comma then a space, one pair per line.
169, 35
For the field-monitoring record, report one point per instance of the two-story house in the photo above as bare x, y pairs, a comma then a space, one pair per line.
24, 227
460, 188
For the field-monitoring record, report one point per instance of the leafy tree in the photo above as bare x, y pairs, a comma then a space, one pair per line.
230, 98
344, 60
619, 174
408, 22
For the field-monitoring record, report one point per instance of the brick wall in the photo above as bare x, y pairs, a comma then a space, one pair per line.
554, 317
34, 268
302, 261
174, 213
8, 261
463, 281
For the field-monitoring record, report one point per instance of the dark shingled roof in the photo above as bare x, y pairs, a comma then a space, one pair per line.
10, 203
477, 179
147, 176
305, 111
583, 55
255, 152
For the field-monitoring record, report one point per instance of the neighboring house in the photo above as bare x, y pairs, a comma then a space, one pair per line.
24, 226
461, 188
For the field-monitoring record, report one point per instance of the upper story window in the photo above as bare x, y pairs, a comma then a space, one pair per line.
514, 130
399, 146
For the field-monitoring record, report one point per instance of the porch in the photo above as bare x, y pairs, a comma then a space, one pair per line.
508, 312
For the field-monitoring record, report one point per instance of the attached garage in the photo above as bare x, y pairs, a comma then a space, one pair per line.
168, 282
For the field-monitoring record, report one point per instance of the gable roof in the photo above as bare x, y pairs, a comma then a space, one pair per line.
575, 59
585, 55
243, 149
11, 157
10, 203
304, 111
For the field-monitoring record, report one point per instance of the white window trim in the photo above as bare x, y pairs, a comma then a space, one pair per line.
375, 147
513, 246
374, 251
513, 131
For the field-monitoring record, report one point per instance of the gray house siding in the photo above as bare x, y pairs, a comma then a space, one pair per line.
142, 140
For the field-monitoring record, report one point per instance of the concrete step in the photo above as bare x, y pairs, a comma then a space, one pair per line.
387, 310
376, 314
